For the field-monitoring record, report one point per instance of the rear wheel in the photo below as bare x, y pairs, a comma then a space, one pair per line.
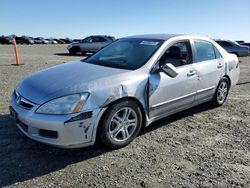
120, 124
221, 92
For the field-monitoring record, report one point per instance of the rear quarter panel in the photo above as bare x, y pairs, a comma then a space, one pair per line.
232, 68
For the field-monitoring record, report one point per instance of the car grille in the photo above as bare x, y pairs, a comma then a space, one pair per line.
24, 103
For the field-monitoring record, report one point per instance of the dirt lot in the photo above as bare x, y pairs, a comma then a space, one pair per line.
201, 147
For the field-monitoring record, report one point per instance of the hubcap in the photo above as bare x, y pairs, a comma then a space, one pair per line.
123, 124
222, 92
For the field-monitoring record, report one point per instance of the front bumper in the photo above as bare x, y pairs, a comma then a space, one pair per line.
65, 131
69, 46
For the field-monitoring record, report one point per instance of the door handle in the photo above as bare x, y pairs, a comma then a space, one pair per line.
220, 65
191, 73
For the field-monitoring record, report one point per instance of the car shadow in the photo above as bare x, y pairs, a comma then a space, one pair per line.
175, 117
22, 159
68, 54
6, 65
243, 83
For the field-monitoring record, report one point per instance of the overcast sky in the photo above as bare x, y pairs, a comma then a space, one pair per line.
226, 19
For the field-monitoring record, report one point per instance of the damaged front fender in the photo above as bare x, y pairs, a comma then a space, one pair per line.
106, 91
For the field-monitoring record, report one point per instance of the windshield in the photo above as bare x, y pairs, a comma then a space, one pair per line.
128, 53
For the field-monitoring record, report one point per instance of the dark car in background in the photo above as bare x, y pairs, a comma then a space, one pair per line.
240, 41
90, 44
5, 40
233, 47
246, 44
24, 40
76, 40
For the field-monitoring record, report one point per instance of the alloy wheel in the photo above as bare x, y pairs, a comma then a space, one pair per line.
222, 92
123, 124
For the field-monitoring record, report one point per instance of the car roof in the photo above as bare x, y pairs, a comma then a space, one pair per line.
223, 40
156, 36
99, 36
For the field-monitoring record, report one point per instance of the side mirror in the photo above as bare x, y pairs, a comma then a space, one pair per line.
169, 70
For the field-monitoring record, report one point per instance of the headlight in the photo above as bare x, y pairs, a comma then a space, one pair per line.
64, 105
69, 46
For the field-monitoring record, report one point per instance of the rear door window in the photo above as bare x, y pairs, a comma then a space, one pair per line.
99, 39
204, 50
87, 40
217, 53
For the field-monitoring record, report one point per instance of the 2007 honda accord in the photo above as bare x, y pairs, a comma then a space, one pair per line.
122, 88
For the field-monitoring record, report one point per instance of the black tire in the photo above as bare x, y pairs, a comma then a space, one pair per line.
218, 99
74, 50
120, 128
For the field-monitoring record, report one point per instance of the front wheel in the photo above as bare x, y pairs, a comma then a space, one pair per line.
74, 50
221, 92
120, 124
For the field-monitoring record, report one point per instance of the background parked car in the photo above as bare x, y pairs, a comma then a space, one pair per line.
59, 41
76, 40
246, 44
240, 41
90, 44
51, 41
233, 47
40, 40
24, 40
5, 40
30, 39
66, 40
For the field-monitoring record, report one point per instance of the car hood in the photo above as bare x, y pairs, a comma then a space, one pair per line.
74, 43
65, 79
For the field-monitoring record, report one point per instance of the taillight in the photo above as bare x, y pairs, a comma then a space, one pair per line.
237, 64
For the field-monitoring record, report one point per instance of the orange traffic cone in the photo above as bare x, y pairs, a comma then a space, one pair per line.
16, 51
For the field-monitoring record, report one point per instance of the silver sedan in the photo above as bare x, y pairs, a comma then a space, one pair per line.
90, 44
122, 88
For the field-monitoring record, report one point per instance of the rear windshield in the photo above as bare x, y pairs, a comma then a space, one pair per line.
128, 53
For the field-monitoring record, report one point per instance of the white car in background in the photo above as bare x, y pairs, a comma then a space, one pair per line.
40, 40
52, 41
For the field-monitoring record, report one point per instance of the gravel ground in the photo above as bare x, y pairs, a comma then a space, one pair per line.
201, 147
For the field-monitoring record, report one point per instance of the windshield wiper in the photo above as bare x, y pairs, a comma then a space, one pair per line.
106, 64
112, 65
